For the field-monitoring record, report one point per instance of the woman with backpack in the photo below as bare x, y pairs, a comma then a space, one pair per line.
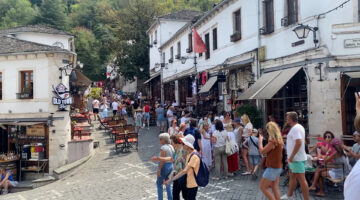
192, 169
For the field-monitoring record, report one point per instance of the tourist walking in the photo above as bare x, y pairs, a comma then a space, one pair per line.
173, 129
227, 121
233, 159
220, 137
138, 119
191, 168
295, 147
170, 115
114, 106
245, 134
252, 144
147, 116
160, 115
273, 163
192, 130
164, 168
178, 158
206, 144
96, 106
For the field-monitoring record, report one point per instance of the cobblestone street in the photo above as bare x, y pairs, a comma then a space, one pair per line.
110, 175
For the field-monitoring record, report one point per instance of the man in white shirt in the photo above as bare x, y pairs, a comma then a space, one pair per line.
295, 147
185, 119
170, 115
352, 182
115, 106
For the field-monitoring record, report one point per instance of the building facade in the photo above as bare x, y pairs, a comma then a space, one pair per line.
30, 77
253, 43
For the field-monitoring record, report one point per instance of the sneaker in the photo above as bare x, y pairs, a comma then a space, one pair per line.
254, 176
286, 197
246, 173
215, 178
5, 192
230, 174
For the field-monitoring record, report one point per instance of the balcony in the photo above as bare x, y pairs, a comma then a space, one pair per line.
189, 50
24, 95
235, 37
266, 30
171, 60
178, 56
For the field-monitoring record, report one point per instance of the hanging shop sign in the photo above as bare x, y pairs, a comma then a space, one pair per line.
62, 97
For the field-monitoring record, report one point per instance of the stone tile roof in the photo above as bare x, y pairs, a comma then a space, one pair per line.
9, 45
182, 15
33, 29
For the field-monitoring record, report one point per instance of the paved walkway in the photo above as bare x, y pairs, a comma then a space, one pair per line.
110, 175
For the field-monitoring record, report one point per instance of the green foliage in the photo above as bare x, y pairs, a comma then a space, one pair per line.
95, 93
111, 27
16, 13
254, 114
52, 12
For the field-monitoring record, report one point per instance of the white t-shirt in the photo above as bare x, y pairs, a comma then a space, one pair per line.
220, 138
183, 120
231, 136
115, 105
246, 131
170, 114
296, 132
352, 182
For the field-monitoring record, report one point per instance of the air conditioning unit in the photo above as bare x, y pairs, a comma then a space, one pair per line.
171, 60
189, 50
235, 37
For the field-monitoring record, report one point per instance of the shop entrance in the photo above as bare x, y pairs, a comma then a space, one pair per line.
291, 97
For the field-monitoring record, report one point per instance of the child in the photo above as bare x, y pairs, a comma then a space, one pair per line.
138, 119
6, 181
252, 143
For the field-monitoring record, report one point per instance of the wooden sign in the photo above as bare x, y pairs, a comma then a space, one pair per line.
35, 130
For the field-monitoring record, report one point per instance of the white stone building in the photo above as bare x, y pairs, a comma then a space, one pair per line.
250, 40
30, 59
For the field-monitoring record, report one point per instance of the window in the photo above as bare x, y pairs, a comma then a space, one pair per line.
214, 32
237, 26
163, 57
292, 9
26, 90
171, 54
207, 43
0, 86
178, 55
268, 17
190, 45
237, 21
155, 39
359, 10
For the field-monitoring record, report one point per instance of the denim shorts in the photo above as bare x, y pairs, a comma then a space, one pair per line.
147, 116
272, 173
255, 159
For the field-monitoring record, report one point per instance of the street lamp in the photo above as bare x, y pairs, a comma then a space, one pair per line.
67, 69
81, 65
302, 31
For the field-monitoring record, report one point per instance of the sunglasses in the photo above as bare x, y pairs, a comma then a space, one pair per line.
328, 136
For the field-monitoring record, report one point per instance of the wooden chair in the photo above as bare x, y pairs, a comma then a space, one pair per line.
120, 142
133, 139
122, 121
129, 128
116, 130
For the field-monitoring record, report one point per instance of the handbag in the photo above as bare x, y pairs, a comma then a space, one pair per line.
234, 147
228, 148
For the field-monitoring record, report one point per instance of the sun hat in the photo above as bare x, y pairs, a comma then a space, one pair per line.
335, 141
255, 130
216, 118
356, 133
188, 140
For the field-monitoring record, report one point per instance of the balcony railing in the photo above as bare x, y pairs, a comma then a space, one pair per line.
235, 37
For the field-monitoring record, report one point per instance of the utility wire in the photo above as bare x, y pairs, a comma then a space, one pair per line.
339, 6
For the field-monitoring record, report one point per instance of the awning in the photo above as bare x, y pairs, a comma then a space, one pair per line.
148, 81
208, 85
353, 74
269, 84
82, 80
21, 123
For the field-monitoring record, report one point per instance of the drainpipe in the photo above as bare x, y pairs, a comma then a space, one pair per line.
259, 103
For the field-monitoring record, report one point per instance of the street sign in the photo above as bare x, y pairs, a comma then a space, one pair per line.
352, 43
62, 98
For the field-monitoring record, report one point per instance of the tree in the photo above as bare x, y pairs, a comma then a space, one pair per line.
16, 13
88, 53
52, 12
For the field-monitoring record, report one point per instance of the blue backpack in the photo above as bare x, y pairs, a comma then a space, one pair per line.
202, 178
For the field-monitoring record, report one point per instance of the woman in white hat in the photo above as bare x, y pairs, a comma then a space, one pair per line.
192, 166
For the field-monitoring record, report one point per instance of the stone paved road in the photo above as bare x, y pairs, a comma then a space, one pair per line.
110, 175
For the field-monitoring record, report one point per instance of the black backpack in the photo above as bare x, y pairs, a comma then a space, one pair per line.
202, 178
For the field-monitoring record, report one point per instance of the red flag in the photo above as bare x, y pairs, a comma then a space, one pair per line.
199, 45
